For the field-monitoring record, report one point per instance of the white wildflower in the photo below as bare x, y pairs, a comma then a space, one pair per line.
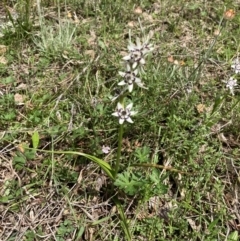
236, 65
124, 114
230, 84
106, 149
129, 78
137, 52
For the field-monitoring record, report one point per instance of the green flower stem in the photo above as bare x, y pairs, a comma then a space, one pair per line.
120, 136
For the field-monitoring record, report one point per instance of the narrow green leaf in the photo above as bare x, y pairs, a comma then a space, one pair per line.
100, 221
123, 219
233, 236
104, 165
35, 140
217, 103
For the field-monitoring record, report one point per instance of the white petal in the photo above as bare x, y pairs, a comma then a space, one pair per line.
121, 121
133, 113
130, 88
128, 67
134, 65
129, 106
146, 51
119, 106
135, 71
151, 48
122, 83
106, 149
128, 57
137, 80
131, 46
142, 61
115, 114
141, 85
129, 120
121, 73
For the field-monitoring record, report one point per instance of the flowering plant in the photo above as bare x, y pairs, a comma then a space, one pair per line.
135, 60
231, 83
236, 65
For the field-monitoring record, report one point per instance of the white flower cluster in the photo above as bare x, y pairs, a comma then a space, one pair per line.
134, 62
232, 82
236, 65
124, 113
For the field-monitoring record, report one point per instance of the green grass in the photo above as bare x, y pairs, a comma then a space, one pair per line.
58, 74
